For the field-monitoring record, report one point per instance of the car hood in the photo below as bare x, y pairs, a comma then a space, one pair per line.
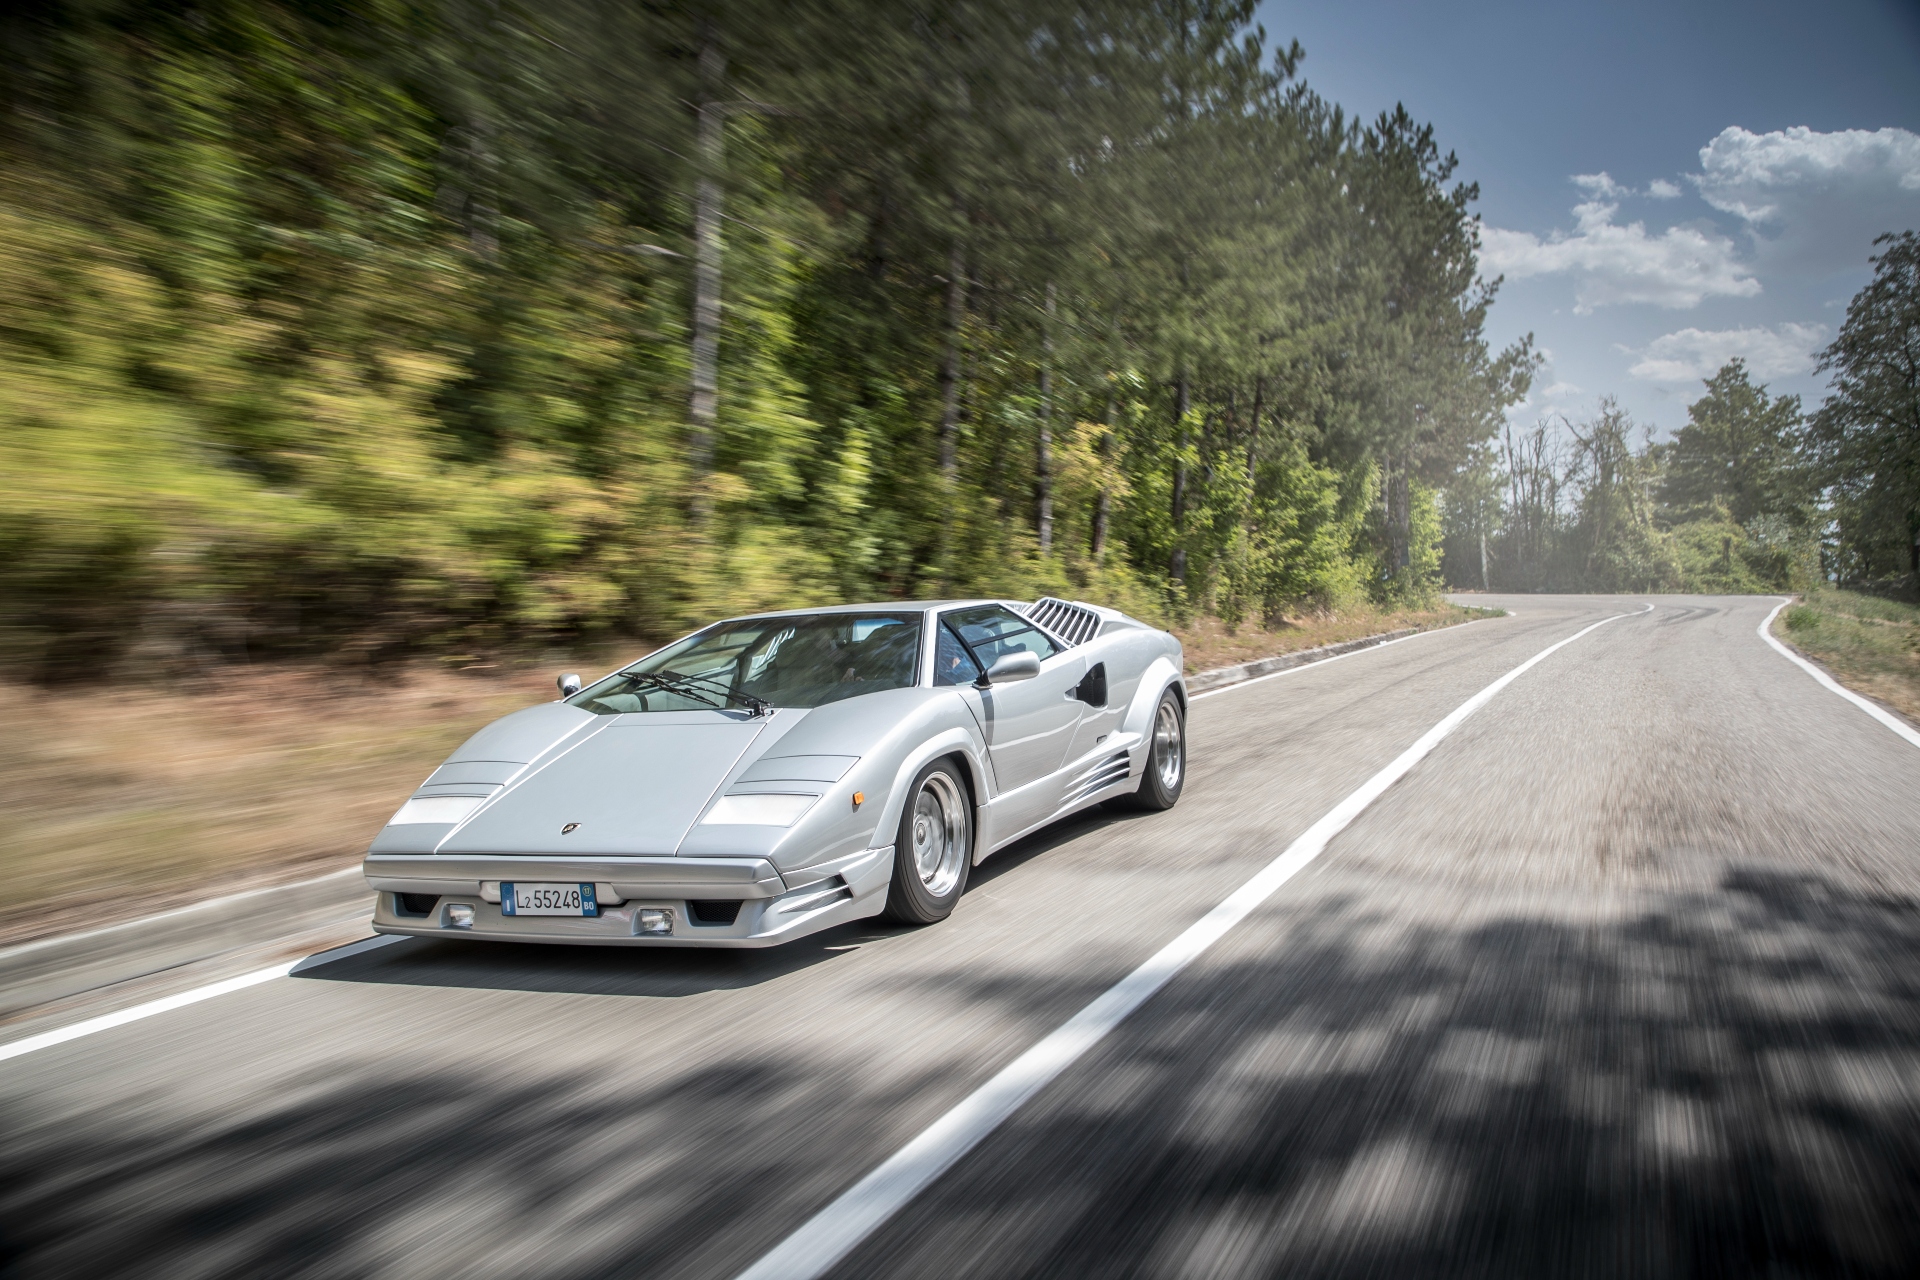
633, 787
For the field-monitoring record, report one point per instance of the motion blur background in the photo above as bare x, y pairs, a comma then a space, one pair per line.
419, 339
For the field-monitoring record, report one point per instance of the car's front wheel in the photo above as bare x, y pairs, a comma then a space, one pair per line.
1166, 771
933, 849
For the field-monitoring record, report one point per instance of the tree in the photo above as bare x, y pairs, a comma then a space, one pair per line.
1739, 450
1422, 385
478, 322
1866, 436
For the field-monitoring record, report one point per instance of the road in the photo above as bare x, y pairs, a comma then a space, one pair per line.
1622, 979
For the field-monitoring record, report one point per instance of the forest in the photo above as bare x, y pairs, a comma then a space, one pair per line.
1751, 494
376, 329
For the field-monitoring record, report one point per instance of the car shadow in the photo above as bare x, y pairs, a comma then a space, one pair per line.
662, 972
1048, 838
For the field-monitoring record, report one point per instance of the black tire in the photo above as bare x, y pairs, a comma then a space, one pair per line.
1166, 773
933, 849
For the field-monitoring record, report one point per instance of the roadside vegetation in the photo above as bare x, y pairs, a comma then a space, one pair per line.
454, 330
1869, 643
129, 799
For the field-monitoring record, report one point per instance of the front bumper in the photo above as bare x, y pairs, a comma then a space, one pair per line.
771, 910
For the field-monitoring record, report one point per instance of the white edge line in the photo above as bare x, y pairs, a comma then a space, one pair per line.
58, 938
1321, 662
1867, 705
166, 1004
837, 1229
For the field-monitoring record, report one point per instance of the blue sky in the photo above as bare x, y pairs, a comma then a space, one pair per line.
1663, 185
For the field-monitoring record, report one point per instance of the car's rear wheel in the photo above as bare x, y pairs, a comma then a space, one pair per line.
933, 849
1166, 772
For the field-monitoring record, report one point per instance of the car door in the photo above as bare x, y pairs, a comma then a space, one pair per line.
1028, 724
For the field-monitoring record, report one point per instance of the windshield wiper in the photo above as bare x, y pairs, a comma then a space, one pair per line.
689, 687
669, 685
758, 706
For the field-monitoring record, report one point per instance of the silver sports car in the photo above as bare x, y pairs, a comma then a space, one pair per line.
771, 776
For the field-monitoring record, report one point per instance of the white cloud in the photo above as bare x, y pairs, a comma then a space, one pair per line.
1600, 186
1623, 263
1814, 201
1692, 354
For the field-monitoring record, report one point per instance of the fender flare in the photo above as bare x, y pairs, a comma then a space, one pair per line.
955, 741
1161, 674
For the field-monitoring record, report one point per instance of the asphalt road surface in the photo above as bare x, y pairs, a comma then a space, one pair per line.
1622, 980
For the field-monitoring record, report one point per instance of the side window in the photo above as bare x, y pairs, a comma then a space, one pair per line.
952, 664
993, 630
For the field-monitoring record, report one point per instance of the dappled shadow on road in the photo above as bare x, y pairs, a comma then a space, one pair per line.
1719, 1084
1723, 1083
450, 1171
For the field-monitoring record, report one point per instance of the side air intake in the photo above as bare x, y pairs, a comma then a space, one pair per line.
1074, 623
1106, 773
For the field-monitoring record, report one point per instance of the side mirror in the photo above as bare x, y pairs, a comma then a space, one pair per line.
1009, 667
569, 684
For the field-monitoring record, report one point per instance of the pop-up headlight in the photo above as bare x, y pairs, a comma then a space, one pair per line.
422, 809
764, 810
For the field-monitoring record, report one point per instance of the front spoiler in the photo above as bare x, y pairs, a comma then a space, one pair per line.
455, 874
770, 913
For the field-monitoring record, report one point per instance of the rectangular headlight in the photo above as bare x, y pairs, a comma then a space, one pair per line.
758, 810
435, 809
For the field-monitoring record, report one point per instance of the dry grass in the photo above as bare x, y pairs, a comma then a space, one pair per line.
1870, 644
1209, 644
123, 800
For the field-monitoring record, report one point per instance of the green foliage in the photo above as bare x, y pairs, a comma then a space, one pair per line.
367, 328
1739, 451
1730, 505
1866, 437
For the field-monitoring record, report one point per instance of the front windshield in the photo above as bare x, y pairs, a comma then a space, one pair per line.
802, 660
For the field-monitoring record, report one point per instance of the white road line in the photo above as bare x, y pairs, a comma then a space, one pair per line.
831, 1234
166, 1004
59, 938
1867, 705
1321, 662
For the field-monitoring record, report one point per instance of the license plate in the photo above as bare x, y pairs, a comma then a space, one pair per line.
547, 900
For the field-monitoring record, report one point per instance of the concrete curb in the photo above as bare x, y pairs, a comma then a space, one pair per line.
1219, 677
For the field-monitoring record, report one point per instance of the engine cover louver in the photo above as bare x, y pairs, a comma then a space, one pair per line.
1074, 623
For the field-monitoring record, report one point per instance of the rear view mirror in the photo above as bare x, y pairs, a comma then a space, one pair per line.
1009, 667
569, 684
